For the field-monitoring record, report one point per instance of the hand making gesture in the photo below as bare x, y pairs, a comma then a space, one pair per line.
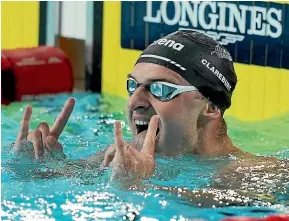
43, 139
129, 164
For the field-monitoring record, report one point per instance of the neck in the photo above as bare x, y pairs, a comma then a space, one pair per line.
214, 140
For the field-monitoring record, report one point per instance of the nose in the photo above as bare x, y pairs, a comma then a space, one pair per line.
139, 100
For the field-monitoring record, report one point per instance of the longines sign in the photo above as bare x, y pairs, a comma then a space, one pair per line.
227, 22
263, 22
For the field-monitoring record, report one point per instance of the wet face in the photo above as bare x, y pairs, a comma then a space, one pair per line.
178, 117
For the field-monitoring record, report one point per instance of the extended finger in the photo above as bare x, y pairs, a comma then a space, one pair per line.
149, 143
62, 118
118, 138
45, 131
36, 138
24, 126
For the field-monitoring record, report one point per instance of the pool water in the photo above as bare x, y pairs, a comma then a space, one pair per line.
31, 192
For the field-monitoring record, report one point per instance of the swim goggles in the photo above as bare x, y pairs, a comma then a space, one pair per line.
163, 91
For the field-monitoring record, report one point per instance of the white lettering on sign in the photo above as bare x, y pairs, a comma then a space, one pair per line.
210, 17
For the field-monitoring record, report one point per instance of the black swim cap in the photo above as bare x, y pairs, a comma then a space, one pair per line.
200, 60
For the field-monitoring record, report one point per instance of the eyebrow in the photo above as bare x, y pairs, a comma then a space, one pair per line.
150, 80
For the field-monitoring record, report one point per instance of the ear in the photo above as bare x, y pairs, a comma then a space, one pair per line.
212, 112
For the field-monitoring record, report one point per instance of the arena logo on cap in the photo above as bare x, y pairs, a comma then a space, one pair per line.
169, 43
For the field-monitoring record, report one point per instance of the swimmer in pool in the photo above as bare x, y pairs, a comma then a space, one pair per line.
179, 89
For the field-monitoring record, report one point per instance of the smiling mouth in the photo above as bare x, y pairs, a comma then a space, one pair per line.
142, 126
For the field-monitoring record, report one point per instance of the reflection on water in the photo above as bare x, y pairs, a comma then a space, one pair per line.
181, 187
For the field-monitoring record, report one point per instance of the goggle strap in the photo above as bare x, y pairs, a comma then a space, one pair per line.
183, 89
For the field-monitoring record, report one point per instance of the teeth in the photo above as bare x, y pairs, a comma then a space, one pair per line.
140, 122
